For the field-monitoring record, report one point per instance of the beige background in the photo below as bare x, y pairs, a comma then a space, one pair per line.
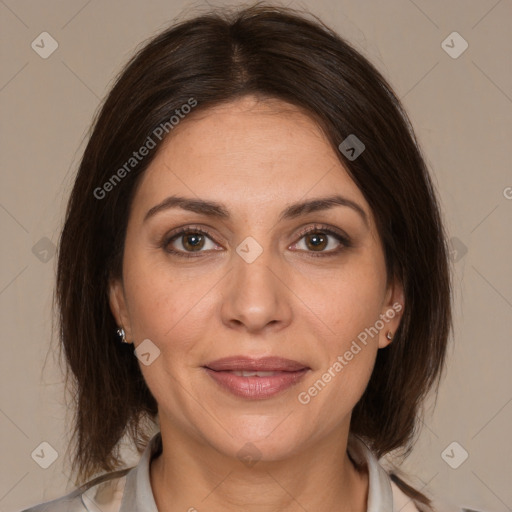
462, 111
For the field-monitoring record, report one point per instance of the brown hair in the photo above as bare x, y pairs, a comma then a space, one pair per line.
271, 52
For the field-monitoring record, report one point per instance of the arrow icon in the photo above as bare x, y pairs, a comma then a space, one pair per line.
450, 45
452, 454
245, 249
147, 355
40, 456
40, 45
351, 149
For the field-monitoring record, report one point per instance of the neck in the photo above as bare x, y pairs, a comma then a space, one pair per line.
189, 475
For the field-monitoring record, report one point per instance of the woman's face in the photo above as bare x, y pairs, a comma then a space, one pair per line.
255, 286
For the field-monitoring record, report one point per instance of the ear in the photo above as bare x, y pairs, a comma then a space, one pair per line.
117, 301
392, 311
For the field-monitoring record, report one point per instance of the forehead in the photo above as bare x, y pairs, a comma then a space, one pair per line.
250, 154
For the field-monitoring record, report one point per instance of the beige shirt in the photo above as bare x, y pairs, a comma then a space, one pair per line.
129, 490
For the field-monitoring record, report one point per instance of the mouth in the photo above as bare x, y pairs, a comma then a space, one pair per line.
256, 379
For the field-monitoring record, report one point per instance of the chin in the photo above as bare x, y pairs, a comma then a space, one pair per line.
267, 438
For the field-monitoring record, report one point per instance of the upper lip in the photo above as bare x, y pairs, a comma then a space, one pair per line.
277, 364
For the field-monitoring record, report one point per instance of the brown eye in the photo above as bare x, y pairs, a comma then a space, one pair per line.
317, 240
188, 241
193, 241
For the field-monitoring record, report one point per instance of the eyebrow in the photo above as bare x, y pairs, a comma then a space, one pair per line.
218, 210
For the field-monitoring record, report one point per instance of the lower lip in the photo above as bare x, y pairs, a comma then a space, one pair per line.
256, 388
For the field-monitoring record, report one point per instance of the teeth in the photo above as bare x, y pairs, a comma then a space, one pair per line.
253, 374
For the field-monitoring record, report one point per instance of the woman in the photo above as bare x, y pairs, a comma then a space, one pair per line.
252, 259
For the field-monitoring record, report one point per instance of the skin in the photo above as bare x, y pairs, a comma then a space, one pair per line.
255, 157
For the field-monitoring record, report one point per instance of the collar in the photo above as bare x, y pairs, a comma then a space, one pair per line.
138, 495
380, 494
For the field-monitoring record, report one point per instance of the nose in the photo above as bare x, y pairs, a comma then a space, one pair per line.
255, 296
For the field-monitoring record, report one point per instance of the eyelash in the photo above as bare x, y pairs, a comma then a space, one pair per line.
345, 241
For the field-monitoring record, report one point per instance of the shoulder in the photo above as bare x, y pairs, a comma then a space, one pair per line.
403, 503
102, 494
384, 495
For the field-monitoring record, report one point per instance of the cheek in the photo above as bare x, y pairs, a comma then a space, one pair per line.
333, 391
166, 305
346, 303
346, 308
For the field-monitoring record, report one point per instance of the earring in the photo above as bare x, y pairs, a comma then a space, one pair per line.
389, 335
122, 335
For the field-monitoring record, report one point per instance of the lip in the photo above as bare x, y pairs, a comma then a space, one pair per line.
286, 373
263, 364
